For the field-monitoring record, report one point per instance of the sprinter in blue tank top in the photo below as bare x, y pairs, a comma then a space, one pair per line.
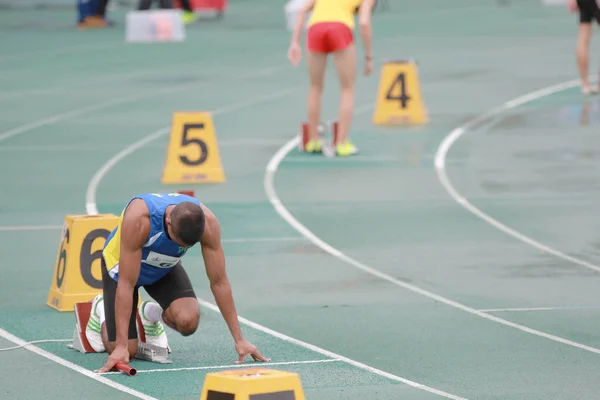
154, 232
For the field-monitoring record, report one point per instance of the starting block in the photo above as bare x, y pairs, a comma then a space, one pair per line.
187, 193
399, 100
328, 149
82, 315
252, 384
323, 128
145, 351
151, 26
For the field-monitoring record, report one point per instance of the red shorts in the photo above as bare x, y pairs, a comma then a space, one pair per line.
327, 37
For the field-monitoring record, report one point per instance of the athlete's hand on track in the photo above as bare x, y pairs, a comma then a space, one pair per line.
119, 354
245, 348
294, 54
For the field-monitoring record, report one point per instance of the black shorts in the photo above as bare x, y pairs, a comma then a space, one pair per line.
175, 285
588, 10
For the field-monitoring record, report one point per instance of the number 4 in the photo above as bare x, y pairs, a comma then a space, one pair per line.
402, 97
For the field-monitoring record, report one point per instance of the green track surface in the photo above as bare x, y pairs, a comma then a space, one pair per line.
76, 98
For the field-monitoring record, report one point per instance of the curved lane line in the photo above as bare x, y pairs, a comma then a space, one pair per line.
271, 193
440, 167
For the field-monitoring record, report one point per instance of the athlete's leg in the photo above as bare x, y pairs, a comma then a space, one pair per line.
344, 53
586, 13
101, 327
317, 47
345, 63
144, 5
583, 45
317, 63
597, 17
188, 14
177, 303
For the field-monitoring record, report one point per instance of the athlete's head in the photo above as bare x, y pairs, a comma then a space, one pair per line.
187, 222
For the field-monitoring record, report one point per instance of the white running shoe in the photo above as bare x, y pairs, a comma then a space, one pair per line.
154, 331
93, 327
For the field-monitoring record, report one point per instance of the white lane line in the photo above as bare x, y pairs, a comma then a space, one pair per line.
224, 240
78, 48
90, 374
357, 158
540, 309
110, 103
265, 239
330, 354
245, 365
271, 193
30, 228
446, 144
35, 342
258, 142
90, 197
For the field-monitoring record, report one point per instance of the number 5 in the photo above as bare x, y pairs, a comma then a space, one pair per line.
186, 141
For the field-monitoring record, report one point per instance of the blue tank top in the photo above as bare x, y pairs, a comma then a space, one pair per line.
159, 253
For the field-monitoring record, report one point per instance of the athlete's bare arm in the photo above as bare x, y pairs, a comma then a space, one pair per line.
294, 51
366, 32
214, 261
135, 229
300, 19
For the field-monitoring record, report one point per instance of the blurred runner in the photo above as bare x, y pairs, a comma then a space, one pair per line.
589, 10
330, 31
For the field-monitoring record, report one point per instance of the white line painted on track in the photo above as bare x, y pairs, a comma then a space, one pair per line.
78, 85
78, 48
446, 144
265, 239
269, 187
245, 365
35, 342
90, 374
30, 228
224, 240
257, 142
113, 102
489, 310
330, 354
90, 197
357, 158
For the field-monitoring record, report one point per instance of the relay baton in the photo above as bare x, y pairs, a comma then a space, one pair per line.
125, 368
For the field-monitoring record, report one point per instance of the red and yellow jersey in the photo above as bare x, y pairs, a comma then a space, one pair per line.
334, 11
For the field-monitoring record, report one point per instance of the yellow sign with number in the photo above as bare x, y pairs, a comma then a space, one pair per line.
399, 100
193, 153
252, 384
77, 275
